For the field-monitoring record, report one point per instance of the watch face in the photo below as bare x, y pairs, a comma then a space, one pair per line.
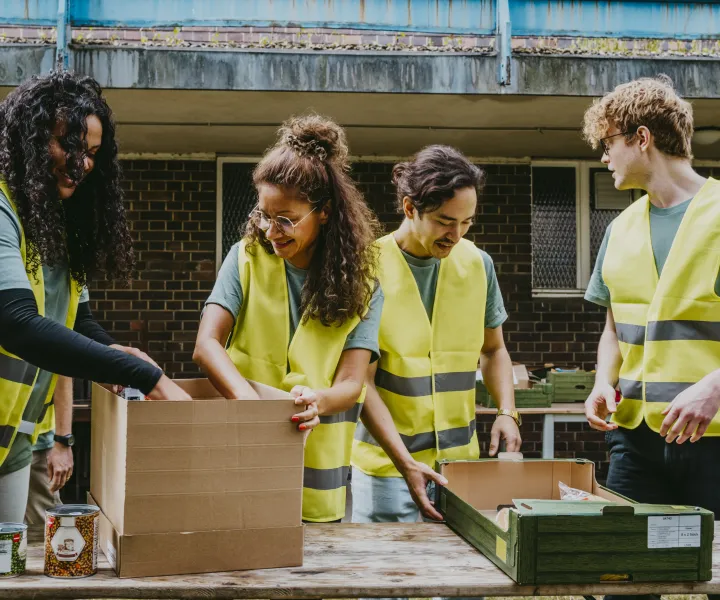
66, 440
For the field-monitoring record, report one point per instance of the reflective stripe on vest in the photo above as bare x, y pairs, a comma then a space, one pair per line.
265, 354
426, 373
668, 328
17, 377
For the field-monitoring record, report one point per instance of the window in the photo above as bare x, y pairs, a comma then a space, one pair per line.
572, 205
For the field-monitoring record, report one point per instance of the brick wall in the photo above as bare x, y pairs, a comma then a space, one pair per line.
171, 207
172, 212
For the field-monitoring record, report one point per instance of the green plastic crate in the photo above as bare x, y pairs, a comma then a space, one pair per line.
482, 397
538, 396
550, 541
572, 386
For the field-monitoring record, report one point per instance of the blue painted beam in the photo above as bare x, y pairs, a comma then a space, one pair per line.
63, 34
29, 12
609, 18
504, 42
678, 19
447, 16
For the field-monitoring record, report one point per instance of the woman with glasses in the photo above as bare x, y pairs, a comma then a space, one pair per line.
296, 305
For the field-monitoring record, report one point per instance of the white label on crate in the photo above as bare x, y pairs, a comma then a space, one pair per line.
690, 526
674, 531
663, 532
5, 556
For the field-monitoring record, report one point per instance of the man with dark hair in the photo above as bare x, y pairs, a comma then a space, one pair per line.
443, 312
657, 275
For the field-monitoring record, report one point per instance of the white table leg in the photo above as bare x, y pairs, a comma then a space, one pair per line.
548, 442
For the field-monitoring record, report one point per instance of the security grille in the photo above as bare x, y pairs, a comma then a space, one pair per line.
238, 199
554, 228
600, 218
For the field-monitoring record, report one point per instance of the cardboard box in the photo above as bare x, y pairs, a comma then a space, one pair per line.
521, 377
209, 473
198, 552
546, 540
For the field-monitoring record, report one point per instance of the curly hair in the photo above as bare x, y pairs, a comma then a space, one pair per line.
88, 232
652, 102
433, 175
311, 157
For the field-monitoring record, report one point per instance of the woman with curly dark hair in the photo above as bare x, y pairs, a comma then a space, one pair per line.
296, 304
62, 223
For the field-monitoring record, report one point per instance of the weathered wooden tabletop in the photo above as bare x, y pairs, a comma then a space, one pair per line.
341, 561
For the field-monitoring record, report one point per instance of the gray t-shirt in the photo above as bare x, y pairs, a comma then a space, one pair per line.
664, 224
228, 293
426, 271
57, 301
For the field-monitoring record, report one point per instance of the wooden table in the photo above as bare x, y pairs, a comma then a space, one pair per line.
417, 560
557, 413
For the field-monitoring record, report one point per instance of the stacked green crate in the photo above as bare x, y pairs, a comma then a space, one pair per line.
538, 396
571, 386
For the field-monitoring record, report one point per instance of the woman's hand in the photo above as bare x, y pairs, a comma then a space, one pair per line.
167, 389
307, 398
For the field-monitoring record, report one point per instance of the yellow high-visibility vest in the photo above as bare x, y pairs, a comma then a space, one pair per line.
261, 350
18, 377
426, 373
668, 327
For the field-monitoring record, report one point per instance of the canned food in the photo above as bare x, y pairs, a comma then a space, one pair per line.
71, 540
13, 549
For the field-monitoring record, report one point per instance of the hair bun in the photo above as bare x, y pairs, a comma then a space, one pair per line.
316, 137
399, 171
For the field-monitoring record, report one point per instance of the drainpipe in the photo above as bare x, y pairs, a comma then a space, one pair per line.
504, 46
63, 35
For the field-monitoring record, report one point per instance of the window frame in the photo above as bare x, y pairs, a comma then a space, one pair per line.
582, 224
220, 162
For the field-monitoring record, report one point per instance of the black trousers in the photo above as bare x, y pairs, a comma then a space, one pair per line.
645, 468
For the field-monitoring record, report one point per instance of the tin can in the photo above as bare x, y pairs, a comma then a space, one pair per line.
71, 540
13, 549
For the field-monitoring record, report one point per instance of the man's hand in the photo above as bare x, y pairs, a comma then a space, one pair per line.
60, 466
600, 404
417, 475
506, 428
688, 416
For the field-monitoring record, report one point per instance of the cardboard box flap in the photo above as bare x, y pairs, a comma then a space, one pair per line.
487, 484
201, 389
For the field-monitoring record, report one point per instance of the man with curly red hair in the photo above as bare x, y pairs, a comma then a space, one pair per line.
657, 274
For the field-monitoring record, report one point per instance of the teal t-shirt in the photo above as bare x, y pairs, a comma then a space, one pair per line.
228, 293
426, 270
57, 301
664, 224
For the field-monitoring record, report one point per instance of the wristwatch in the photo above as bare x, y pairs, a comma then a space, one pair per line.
65, 440
510, 413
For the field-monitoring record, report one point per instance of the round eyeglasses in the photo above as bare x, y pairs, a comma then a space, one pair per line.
281, 223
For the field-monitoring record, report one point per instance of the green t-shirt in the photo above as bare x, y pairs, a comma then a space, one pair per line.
57, 301
426, 270
664, 224
228, 293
